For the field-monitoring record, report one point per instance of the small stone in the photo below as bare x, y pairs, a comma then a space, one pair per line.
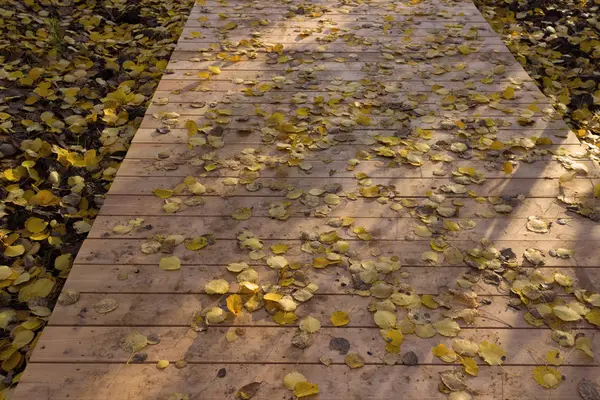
181, 364
163, 130
222, 373
410, 358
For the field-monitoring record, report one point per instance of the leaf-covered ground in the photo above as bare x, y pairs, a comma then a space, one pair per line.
558, 44
75, 79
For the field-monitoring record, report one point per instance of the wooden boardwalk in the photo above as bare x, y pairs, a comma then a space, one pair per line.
387, 159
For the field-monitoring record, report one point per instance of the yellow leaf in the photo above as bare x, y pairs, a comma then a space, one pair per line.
63, 262
204, 74
292, 379
5, 273
554, 357
369, 192
40, 288
491, 353
191, 126
340, 318
470, 366
22, 338
303, 112
320, 262
303, 389
584, 344
566, 314
593, 317
14, 251
429, 302
171, 263
385, 319
272, 297
310, 324
229, 26
134, 342
162, 193
35, 225
196, 243
44, 198
162, 364
242, 214
214, 69
215, 315
353, 360
12, 361
284, 318
279, 248
509, 93
547, 377
597, 191
217, 286
508, 167
444, 353
234, 304
393, 339
447, 327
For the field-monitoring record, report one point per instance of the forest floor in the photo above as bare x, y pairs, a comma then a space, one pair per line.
76, 79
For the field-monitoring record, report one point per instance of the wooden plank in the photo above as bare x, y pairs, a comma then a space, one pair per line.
466, 9
279, 101
259, 17
361, 138
348, 25
451, 62
122, 205
114, 381
301, 32
177, 310
448, 53
438, 74
149, 280
409, 253
228, 228
338, 154
275, 187
463, 10
414, 85
198, 18
380, 228
274, 345
315, 40
408, 50
522, 98
452, 5
545, 169
503, 122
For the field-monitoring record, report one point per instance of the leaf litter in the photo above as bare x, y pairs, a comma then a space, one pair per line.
324, 122
69, 109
